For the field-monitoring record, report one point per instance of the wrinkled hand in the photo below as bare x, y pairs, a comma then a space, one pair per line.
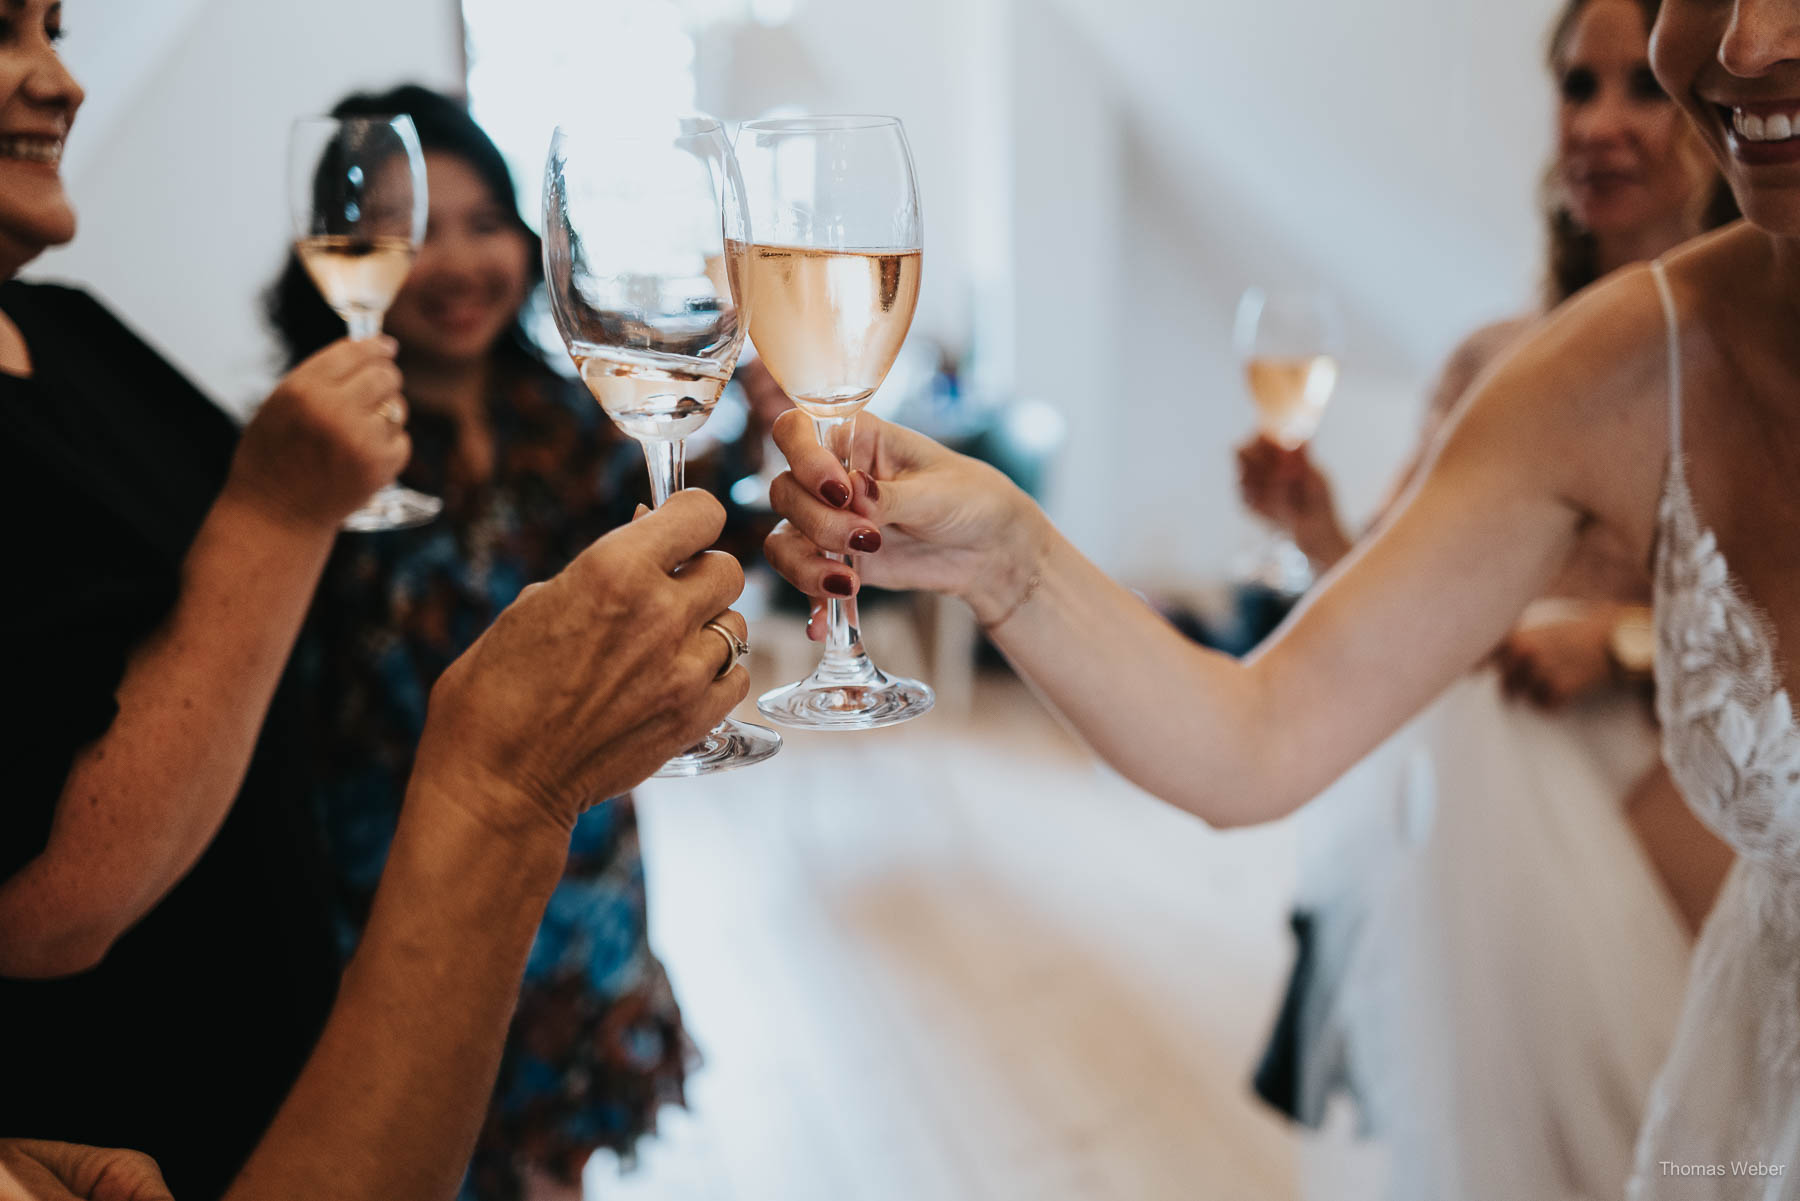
919, 515
1555, 662
31, 1170
590, 681
1285, 487
322, 444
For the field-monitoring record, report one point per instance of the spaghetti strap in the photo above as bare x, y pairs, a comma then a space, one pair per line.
1672, 322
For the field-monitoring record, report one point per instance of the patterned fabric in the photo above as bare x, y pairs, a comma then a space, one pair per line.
597, 1044
1729, 1096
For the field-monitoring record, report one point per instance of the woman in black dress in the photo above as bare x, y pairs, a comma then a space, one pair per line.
153, 934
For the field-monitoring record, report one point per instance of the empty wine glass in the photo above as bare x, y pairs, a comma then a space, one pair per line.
645, 234
1289, 342
834, 280
356, 187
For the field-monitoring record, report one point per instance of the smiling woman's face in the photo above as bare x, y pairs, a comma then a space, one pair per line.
1734, 67
38, 99
472, 273
1626, 158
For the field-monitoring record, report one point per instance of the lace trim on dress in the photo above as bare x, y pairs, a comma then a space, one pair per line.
1729, 735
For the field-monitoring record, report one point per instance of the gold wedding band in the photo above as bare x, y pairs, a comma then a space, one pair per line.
394, 411
735, 648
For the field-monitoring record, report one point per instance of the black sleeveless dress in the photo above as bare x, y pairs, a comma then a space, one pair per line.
184, 1041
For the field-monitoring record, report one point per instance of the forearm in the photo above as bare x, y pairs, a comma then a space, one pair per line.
1180, 721
142, 803
388, 1107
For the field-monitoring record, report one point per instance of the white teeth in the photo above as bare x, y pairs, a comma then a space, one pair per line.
35, 150
1779, 127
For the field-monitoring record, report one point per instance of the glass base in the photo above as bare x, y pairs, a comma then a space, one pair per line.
730, 744
394, 508
853, 696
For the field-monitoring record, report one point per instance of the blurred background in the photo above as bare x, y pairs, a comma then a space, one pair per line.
955, 959
1101, 179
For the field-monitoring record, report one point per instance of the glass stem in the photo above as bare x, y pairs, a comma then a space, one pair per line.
843, 638
363, 325
667, 458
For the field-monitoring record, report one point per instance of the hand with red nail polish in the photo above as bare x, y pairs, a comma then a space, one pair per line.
922, 516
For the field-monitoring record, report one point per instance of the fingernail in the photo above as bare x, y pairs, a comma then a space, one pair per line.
641, 510
870, 488
866, 541
835, 494
840, 585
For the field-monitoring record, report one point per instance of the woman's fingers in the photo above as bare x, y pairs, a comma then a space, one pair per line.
844, 531
707, 652
687, 524
815, 468
711, 582
802, 564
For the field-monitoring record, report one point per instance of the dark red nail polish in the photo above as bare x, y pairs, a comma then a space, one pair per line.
835, 494
840, 585
866, 541
871, 489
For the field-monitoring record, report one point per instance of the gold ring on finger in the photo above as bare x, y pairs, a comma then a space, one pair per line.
735, 648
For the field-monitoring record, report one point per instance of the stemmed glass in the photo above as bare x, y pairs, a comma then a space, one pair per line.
356, 189
644, 241
834, 278
1289, 342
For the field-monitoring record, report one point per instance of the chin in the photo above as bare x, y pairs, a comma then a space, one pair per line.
1609, 218
1774, 211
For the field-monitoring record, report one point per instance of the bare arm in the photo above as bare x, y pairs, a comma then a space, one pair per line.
583, 688
141, 804
579, 691
1415, 606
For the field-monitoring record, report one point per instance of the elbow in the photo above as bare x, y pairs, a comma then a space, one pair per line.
50, 950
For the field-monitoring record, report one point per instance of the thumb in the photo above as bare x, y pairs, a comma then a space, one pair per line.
895, 502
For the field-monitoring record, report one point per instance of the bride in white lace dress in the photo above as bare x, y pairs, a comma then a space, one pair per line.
1661, 409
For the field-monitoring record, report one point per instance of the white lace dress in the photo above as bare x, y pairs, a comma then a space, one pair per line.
1724, 1118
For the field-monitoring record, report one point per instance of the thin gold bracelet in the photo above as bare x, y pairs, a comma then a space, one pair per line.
1031, 587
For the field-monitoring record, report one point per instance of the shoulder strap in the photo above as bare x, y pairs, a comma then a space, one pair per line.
1672, 322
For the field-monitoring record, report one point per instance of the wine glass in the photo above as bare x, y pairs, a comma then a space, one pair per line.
356, 187
1289, 342
834, 279
644, 240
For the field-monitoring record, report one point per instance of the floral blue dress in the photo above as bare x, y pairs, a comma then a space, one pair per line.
597, 1044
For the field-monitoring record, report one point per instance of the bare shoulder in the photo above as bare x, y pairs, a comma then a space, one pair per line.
1582, 397
1475, 353
1472, 356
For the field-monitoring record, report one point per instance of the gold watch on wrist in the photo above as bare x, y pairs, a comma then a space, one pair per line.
1632, 643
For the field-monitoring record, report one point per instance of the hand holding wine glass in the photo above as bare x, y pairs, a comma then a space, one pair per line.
645, 233
357, 195
1289, 342
948, 523
318, 447
834, 279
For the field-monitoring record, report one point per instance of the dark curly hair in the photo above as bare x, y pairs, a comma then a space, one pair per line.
302, 320
1574, 253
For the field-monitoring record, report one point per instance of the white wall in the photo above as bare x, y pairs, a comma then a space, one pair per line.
177, 163
1101, 178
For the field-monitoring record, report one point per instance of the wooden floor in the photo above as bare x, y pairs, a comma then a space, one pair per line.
958, 961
